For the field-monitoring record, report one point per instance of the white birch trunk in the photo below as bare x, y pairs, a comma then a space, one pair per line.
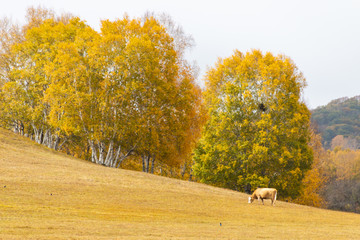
101, 147
94, 158
38, 134
116, 163
56, 142
109, 155
113, 157
47, 138
152, 165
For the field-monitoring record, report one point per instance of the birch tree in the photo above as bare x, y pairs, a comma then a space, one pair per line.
124, 90
25, 81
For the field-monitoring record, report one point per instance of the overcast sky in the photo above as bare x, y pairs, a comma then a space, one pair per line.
321, 36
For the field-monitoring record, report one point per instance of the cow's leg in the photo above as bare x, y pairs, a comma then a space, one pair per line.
262, 200
275, 198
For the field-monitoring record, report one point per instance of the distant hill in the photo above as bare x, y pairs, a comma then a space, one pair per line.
339, 122
47, 195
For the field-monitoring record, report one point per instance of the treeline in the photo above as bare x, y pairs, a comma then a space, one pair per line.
126, 92
334, 180
339, 123
104, 96
342, 192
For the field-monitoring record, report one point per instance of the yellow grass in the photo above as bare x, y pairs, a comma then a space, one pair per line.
52, 196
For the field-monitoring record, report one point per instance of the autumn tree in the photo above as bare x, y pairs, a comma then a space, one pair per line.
258, 128
344, 142
170, 104
126, 90
11, 113
342, 169
343, 164
343, 195
30, 50
315, 179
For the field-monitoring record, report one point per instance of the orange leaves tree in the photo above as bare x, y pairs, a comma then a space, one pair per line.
258, 129
315, 179
133, 92
126, 89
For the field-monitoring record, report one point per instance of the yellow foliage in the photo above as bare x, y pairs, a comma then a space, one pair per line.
315, 178
343, 164
125, 87
255, 99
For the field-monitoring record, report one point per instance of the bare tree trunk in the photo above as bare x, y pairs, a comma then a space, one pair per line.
146, 163
152, 164
190, 175
109, 155
15, 126
56, 142
111, 158
183, 170
22, 128
116, 162
119, 160
143, 163
59, 147
38, 134
101, 147
47, 138
94, 158
18, 127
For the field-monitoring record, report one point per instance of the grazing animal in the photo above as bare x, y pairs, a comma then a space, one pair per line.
264, 193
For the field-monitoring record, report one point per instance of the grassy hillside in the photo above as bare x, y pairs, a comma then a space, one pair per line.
47, 195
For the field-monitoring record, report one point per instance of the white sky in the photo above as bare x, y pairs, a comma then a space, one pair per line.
321, 36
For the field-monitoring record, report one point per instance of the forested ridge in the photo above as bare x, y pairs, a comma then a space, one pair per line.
339, 122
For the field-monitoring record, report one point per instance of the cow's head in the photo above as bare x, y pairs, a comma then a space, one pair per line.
250, 200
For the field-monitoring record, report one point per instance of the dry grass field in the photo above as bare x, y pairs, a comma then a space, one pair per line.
48, 195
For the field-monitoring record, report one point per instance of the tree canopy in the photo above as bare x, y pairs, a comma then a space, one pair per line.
258, 128
124, 90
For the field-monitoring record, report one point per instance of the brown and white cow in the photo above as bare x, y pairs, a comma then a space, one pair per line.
264, 193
